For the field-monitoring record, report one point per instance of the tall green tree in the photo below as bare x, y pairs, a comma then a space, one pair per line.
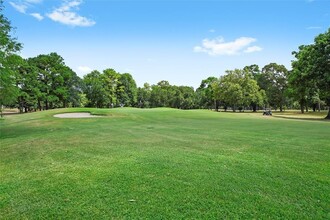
8, 47
111, 83
95, 91
205, 95
144, 95
312, 65
188, 95
238, 88
127, 95
160, 94
273, 80
56, 80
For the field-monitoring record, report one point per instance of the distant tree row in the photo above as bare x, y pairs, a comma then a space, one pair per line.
46, 82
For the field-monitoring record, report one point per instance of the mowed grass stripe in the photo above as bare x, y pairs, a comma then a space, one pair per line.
163, 163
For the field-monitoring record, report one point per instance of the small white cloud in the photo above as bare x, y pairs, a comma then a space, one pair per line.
37, 16
252, 49
84, 69
309, 1
19, 7
313, 27
211, 30
218, 46
66, 15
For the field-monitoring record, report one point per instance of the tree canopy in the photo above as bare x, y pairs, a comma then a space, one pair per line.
8, 47
311, 70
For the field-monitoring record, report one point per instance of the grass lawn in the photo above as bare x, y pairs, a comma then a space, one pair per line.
163, 164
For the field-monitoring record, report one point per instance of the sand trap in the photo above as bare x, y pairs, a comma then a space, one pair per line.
76, 115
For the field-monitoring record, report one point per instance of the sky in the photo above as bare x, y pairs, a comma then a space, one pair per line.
181, 41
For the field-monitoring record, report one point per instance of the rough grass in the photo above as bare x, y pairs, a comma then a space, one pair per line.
163, 164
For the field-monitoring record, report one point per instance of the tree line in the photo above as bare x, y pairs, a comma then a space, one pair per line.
46, 82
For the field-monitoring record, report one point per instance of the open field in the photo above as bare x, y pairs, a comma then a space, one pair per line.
163, 164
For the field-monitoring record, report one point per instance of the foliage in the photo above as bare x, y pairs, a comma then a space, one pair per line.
127, 94
311, 70
273, 79
143, 96
8, 47
238, 89
96, 93
57, 83
205, 94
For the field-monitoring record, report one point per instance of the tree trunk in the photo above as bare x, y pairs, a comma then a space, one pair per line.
328, 116
39, 105
20, 105
306, 108
302, 109
314, 107
216, 107
319, 106
254, 107
281, 108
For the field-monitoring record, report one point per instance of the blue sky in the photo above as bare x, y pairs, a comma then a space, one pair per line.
182, 41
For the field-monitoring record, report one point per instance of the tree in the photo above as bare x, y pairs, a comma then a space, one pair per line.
238, 89
253, 69
95, 91
273, 81
160, 94
111, 85
56, 81
8, 47
143, 96
299, 83
205, 94
128, 93
312, 64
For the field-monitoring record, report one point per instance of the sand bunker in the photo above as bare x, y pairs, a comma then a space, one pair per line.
76, 115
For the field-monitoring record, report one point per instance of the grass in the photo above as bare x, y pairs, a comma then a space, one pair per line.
163, 164
292, 114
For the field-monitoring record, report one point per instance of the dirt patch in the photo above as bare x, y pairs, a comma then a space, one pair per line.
76, 115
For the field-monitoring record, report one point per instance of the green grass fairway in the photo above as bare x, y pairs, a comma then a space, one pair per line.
163, 164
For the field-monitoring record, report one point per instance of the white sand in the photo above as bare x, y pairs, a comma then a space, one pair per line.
76, 115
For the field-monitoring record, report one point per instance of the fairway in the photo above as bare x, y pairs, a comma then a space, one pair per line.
163, 164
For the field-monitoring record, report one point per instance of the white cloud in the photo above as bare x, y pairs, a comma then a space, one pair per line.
218, 46
37, 16
211, 30
19, 7
23, 5
66, 15
84, 69
252, 49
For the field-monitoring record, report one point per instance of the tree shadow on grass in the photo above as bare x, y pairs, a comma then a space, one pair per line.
301, 118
